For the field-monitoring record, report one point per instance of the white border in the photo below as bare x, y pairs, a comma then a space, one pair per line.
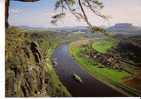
2, 62
2, 50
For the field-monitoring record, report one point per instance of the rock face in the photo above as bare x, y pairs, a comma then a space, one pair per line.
26, 74
35, 51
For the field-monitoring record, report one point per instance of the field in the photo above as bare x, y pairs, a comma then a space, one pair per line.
103, 46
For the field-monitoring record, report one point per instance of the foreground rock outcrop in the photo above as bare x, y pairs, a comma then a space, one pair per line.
25, 72
28, 72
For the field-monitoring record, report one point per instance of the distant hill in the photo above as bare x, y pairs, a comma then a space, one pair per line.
125, 29
122, 26
66, 29
31, 27
119, 29
70, 29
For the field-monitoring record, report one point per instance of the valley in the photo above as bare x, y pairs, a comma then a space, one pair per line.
67, 63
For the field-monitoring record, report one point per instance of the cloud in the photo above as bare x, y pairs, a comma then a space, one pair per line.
16, 11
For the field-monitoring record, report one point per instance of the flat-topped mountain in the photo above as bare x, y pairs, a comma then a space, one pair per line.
124, 29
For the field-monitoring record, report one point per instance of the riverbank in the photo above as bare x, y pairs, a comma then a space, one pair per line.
110, 77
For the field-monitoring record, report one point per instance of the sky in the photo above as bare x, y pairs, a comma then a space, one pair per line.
38, 14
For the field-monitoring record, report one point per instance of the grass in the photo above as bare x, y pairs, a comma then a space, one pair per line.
55, 87
94, 67
103, 46
106, 75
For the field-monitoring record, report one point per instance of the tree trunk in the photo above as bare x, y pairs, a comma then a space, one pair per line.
6, 12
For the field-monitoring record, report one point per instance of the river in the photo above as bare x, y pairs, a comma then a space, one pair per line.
65, 68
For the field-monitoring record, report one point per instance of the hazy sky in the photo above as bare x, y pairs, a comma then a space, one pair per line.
39, 13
